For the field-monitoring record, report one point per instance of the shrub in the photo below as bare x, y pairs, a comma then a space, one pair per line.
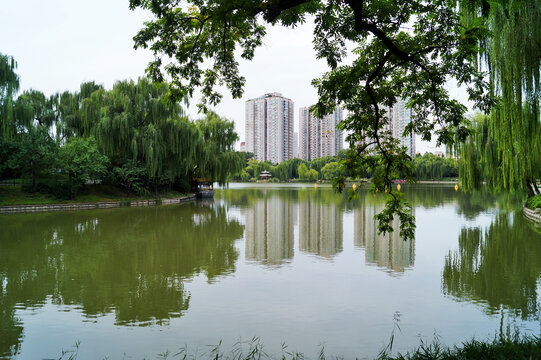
534, 202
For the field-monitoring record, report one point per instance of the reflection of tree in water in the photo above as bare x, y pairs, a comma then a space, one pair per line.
130, 262
11, 329
472, 204
499, 266
429, 196
388, 251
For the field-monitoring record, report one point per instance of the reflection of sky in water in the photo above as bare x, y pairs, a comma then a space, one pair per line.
303, 276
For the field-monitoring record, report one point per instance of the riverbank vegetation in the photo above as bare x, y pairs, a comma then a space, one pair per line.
130, 137
506, 347
91, 193
425, 167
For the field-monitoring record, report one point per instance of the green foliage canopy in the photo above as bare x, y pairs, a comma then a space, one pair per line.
36, 152
332, 170
82, 161
430, 166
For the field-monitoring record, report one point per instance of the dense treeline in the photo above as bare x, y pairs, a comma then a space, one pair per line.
425, 167
318, 169
429, 166
130, 136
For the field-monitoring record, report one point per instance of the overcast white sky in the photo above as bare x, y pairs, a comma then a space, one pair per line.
59, 44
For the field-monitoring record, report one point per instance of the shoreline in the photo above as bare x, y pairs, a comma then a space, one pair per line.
14, 209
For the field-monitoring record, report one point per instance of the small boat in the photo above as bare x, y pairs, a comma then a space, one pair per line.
203, 188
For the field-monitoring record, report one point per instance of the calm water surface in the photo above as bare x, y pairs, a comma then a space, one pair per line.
289, 264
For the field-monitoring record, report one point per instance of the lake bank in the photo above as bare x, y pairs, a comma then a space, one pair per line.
14, 200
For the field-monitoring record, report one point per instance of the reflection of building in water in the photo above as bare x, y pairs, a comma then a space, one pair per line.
269, 230
389, 250
320, 228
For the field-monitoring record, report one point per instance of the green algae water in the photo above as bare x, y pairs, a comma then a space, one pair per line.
289, 264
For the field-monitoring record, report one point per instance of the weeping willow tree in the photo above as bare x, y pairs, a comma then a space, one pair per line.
216, 157
506, 150
9, 85
134, 122
33, 108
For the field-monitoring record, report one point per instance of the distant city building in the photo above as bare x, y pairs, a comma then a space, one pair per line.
439, 154
269, 127
308, 130
295, 145
399, 118
319, 137
243, 146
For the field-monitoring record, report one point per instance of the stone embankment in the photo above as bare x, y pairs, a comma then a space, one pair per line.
98, 205
534, 215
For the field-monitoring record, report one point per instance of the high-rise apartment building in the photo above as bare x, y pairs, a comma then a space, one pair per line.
399, 118
295, 145
269, 127
319, 137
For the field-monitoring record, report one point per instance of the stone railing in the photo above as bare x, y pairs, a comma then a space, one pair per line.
534, 215
98, 205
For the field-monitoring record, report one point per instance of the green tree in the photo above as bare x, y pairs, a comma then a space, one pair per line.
318, 163
37, 152
390, 61
32, 107
134, 127
313, 175
281, 171
82, 162
507, 147
293, 167
304, 173
245, 176
430, 166
9, 85
132, 177
331, 170
216, 157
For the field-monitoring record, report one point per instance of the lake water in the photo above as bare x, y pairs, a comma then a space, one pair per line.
289, 264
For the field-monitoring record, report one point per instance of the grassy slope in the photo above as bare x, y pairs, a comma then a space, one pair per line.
13, 195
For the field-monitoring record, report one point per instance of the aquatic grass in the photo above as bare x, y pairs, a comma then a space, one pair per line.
506, 347
519, 349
